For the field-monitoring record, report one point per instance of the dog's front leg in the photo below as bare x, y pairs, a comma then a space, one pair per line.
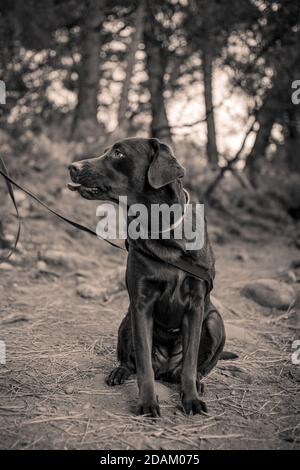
191, 333
142, 327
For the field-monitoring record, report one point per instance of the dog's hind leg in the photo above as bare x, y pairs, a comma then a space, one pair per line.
211, 343
125, 353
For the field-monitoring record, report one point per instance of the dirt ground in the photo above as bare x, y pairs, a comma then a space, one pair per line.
62, 299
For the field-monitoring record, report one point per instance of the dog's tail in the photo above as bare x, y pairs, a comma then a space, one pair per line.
226, 355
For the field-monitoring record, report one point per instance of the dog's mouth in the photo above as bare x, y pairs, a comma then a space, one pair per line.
84, 191
76, 186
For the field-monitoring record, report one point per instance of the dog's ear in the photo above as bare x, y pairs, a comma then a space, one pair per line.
164, 168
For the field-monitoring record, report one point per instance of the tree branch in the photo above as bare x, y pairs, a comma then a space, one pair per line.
230, 163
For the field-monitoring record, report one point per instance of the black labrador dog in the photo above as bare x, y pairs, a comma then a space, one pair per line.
172, 331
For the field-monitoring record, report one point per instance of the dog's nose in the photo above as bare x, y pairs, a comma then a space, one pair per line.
75, 169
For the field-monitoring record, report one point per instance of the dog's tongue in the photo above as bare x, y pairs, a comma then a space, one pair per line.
74, 186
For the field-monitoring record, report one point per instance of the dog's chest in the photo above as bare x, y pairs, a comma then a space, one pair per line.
174, 297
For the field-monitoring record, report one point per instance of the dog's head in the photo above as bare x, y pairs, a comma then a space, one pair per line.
130, 167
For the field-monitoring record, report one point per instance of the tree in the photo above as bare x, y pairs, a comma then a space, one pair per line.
207, 68
156, 63
85, 118
207, 27
266, 117
31, 35
271, 42
130, 59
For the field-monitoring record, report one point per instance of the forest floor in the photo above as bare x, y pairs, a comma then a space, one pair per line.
62, 300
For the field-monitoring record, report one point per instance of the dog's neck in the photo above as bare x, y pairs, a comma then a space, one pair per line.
170, 195
180, 220
168, 247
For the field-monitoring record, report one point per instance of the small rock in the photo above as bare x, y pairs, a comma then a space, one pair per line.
270, 293
242, 256
20, 247
268, 336
42, 409
105, 296
84, 274
42, 266
11, 238
15, 318
57, 258
287, 276
69, 389
20, 197
23, 203
88, 291
6, 266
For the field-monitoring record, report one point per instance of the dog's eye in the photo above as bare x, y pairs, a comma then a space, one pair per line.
118, 154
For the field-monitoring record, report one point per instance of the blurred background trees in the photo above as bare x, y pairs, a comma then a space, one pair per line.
85, 116
271, 45
190, 72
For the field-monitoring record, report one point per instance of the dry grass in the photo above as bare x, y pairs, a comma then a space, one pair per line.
53, 393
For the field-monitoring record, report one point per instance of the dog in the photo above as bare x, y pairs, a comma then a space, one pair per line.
172, 331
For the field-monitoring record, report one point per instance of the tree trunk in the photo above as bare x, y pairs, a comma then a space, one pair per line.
292, 140
132, 49
156, 67
85, 123
265, 118
211, 144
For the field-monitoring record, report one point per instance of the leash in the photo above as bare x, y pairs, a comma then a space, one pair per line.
196, 271
12, 196
9, 182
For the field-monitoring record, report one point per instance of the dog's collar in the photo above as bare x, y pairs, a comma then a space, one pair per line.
179, 221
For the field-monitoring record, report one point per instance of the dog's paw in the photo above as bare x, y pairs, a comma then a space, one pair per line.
149, 408
194, 406
118, 376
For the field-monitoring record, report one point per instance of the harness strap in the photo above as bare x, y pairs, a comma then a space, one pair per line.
200, 272
193, 270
